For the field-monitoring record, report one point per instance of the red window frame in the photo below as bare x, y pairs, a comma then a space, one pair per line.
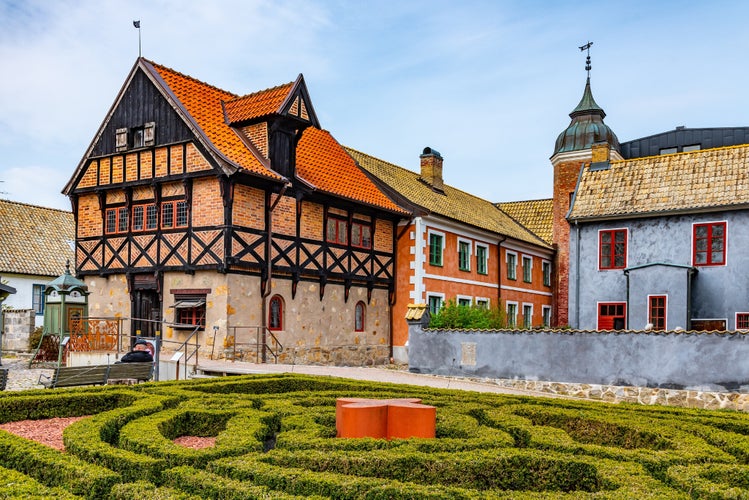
336, 231
360, 316
609, 312
174, 214
361, 235
742, 321
145, 217
709, 244
275, 313
657, 308
612, 254
116, 220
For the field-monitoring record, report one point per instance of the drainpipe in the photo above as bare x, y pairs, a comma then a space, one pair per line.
396, 238
690, 275
577, 276
269, 267
626, 273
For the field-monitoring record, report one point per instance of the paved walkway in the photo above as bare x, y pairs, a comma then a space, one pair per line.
375, 374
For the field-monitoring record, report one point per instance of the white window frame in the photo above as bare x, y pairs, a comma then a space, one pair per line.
507, 264
458, 298
526, 323
431, 232
486, 257
544, 311
544, 264
440, 296
511, 322
470, 253
523, 258
482, 299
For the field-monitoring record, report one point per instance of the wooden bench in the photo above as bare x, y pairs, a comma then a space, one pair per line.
72, 376
131, 371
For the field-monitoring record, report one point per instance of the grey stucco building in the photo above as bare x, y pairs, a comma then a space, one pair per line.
661, 240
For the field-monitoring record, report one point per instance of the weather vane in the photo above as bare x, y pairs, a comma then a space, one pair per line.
137, 25
587, 59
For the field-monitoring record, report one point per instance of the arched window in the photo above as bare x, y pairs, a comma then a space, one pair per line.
359, 317
275, 313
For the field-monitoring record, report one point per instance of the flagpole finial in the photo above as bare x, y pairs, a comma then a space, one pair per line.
137, 25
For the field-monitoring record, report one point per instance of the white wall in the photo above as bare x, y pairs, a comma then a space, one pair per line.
24, 285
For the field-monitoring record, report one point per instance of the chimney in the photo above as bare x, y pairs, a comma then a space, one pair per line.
600, 152
431, 168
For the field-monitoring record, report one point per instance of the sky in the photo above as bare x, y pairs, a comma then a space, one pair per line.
488, 84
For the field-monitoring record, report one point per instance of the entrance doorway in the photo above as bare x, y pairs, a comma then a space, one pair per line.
146, 306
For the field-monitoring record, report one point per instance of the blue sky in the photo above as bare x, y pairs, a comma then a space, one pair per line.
489, 84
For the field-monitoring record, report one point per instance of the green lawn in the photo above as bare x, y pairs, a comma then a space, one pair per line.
275, 438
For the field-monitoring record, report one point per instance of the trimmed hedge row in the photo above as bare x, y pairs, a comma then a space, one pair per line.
275, 438
14, 484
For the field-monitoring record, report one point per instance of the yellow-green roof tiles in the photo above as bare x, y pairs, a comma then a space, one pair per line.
535, 215
451, 203
709, 179
35, 240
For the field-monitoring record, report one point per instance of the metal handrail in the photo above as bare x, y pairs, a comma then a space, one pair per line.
259, 345
184, 345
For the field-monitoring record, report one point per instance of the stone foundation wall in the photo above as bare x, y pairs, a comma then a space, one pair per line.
638, 395
18, 324
348, 355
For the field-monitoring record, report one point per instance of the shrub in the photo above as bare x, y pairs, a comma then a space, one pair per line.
453, 316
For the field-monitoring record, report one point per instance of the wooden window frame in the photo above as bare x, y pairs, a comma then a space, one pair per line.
119, 213
273, 325
658, 313
177, 208
187, 315
358, 239
431, 298
37, 298
546, 270
611, 312
339, 227
527, 270
742, 321
511, 268
709, 241
611, 245
360, 316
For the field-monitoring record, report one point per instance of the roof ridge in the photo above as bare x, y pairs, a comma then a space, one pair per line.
252, 94
188, 77
35, 206
696, 151
524, 201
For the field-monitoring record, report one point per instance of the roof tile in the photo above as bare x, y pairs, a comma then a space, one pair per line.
535, 215
258, 104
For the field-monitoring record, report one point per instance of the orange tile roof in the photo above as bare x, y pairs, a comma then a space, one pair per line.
204, 104
323, 163
258, 104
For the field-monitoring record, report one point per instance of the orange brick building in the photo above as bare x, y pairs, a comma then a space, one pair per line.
459, 247
200, 210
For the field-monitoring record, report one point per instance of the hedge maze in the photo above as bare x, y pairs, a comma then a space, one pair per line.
275, 438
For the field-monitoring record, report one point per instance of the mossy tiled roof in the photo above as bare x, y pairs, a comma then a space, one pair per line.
535, 215
451, 203
35, 240
709, 179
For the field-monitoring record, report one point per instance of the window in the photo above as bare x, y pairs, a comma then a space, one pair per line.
464, 301
546, 268
337, 231
657, 311
742, 321
275, 313
436, 244
482, 303
612, 249
464, 255
139, 137
611, 316
116, 220
435, 303
512, 263
546, 315
481, 259
190, 309
710, 244
37, 298
512, 314
527, 315
174, 214
692, 147
152, 217
359, 316
138, 218
527, 269
667, 151
361, 235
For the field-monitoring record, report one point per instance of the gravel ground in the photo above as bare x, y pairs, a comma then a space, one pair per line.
20, 377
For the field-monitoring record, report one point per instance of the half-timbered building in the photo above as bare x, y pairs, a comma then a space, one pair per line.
238, 216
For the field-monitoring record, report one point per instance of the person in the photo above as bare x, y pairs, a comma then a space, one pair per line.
140, 353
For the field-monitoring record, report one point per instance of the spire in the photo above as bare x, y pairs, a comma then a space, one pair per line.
586, 127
